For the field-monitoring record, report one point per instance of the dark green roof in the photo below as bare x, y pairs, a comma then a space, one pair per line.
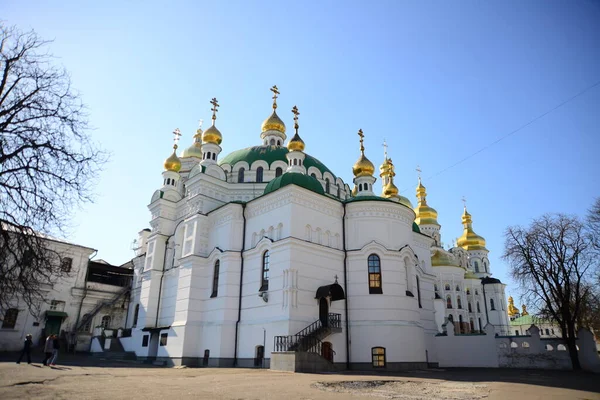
294, 178
416, 228
270, 154
368, 198
528, 320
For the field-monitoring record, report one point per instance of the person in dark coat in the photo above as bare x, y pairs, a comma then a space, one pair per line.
26, 349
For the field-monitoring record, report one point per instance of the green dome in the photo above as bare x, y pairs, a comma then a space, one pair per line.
416, 228
295, 178
270, 154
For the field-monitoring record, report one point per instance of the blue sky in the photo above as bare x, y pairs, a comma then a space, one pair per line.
438, 80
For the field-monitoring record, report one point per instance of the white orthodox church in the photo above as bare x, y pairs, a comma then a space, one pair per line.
265, 252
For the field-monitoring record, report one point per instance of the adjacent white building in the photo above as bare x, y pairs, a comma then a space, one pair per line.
89, 294
266, 251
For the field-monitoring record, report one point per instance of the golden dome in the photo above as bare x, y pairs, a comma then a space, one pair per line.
469, 239
354, 191
524, 312
425, 215
273, 123
296, 144
390, 190
195, 150
512, 310
442, 258
212, 135
173, 163
405, 201
385, 168
363, 167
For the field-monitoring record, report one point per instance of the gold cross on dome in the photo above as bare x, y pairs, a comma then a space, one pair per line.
385, 155
419, 172
215, 108
275, 93
296, 113
464, 202
200, 122
176, 136
362, 136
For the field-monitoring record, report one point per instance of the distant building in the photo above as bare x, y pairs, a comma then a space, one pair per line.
90, 294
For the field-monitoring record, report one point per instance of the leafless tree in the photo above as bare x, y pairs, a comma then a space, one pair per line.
593, 222
48, 164
552, 261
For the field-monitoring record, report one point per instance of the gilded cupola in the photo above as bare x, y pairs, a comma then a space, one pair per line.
296, 143
512, 310
212, 134
362, 167
469, 239
173, 163
273, 122
195, 150
425, 215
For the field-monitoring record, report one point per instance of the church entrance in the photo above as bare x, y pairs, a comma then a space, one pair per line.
323, 311
53, 326
327, 351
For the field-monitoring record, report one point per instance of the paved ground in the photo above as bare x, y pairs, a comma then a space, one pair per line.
97, 379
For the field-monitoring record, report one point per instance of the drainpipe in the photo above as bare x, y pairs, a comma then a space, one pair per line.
346, 286
487, 317
237, 324
83, 297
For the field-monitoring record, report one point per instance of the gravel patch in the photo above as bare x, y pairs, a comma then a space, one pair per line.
413, 390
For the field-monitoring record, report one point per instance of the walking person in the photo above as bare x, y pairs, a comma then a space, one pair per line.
48, 348
56, 343
26, 349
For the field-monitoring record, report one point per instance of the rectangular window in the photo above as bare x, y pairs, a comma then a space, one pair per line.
66, 264
163, 339
378, 357
145, 340
10, 318
215, 288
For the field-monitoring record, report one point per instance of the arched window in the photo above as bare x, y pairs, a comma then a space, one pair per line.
457, 288
476, 292
547, 332
279, 143
327, 185
241, 175
136, 314
468, 291
492, 307
313, 175
478, 308
374, 264
214, 156
451, 317
447, 287
272, 142
435, 287
448, 302
278, 171
208, 155
472, 323
419, 292
215, 285
360, 187
105, 322
88, 322
259, 174
476, 266
460, 324
378, 357
265, 272
295, 161
458, 303
338, 191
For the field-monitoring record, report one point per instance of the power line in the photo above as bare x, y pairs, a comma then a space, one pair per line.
515, 131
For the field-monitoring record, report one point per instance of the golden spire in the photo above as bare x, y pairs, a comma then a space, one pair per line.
524, 312
425, 215
512, 310
296, 144
469, 239
195, 150
274, 123
212, 134
173, 163
362, 167
385, 166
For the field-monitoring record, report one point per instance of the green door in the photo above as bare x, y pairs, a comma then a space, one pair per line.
53, 325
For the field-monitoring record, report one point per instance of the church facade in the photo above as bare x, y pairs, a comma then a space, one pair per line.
266, 250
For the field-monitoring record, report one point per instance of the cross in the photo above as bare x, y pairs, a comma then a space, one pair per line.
336, 278
296, 113
384, 149
275, 93
419, 172
200, 122
464, 202
176, 136
214, 109
360, 134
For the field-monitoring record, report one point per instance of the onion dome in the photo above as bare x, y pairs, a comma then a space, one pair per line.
212, 134
512, 310
273, 123
294, 178
524, 312
425, 214
385, 168
469, 239
442, 258
390, 190
173, 163
362, 167
354, 191
195, 150
296, 144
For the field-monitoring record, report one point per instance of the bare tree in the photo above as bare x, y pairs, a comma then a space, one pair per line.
552, 260
593, 223
47, 163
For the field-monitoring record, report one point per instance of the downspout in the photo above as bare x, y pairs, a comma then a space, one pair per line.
346, 286
237, 324
87, 269
487, 317
161, 280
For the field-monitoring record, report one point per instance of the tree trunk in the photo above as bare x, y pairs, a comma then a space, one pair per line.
571, 341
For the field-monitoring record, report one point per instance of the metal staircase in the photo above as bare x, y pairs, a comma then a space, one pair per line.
101, 305
309, 338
